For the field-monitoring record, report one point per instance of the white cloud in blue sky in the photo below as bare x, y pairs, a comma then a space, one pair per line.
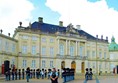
13, 11
95, 18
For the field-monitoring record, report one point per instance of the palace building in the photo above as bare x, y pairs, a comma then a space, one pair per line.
113, 50
43, 45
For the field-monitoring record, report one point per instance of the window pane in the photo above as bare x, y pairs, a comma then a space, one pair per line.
43, 50
61, 49
33, 50
51, 51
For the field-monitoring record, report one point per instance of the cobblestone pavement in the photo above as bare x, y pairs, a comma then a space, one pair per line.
102, 79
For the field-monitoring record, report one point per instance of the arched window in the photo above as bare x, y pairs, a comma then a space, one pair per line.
61, 49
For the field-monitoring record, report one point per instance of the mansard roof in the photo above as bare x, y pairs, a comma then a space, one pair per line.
50, 28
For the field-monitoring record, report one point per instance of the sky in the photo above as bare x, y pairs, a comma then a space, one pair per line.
97, 17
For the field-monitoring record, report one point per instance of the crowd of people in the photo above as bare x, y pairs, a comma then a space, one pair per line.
67, 74
18, 74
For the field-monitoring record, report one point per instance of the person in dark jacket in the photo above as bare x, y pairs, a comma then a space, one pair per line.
19, 73
34, 73
9, 74
87, 74
31, 73
45, 73
6, 76
28, 74
54, 76
23, 73
15, 74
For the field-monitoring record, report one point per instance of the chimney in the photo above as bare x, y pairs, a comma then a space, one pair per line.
40, 19
9, 34
20, 23
97, 36
78, 27
61, 23
106, 38
102, 37
1, 31
30, 24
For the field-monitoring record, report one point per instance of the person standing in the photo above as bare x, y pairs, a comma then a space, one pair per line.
6, 76
19, 73
42, 73
28, 74
34, 73
54, 76
45, 73
13, 74
9, 74
23, 73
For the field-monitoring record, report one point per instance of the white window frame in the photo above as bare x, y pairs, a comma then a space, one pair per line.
51, 64
33, 49
33, 64
24, 63
71, 50
51, 51
34, 38
43, 39
43, 51
51, 40
61, 49
43, 63
24, 49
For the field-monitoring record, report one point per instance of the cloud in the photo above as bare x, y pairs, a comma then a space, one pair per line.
95, 18
13, 11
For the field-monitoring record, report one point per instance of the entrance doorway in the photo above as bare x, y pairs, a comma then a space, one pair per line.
6, 65
62, 64
73, 65
83, 67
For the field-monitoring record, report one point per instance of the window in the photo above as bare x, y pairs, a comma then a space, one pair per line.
24, 63
43, 39
13, 61
7, 46
100, 66
81, 50
72, 50
61, 49
24, 49
51, 40
51, 64
43, 50
112, 66
88, 53
100, 55
25, 37
34, 38
51, 51
13, 47
106, 66
105, 57
33, 64
33, 50
93, 65
43, 63
88, 64
93, 54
